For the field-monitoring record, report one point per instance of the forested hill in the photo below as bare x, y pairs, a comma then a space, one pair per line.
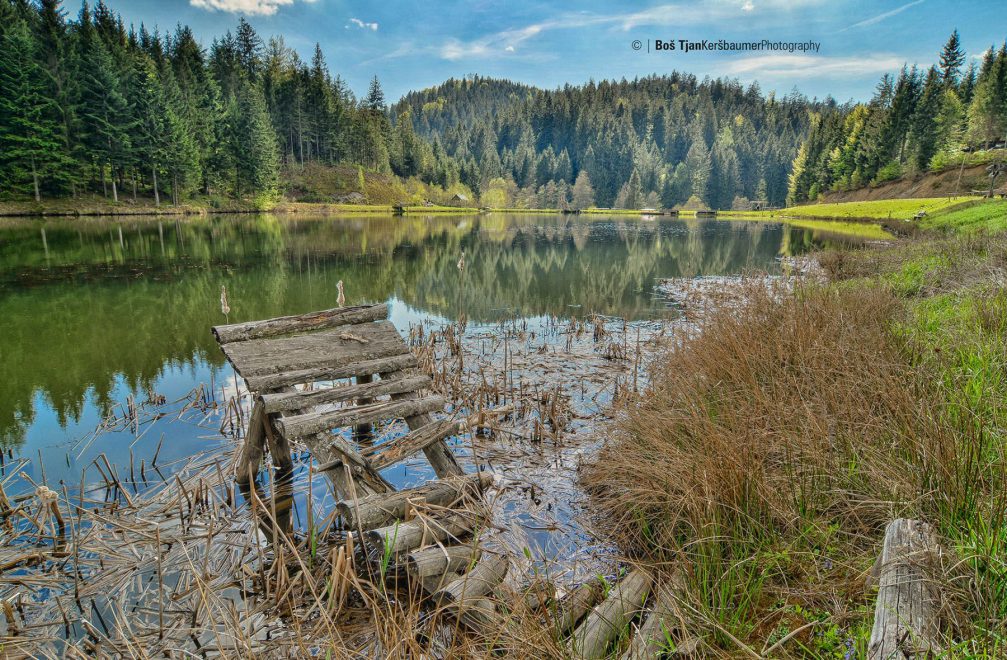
655, 141
922, 120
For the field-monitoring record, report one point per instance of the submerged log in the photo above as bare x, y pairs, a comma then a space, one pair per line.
372, 511
607, 620
403, 537
481, 580
284, 325
905, 620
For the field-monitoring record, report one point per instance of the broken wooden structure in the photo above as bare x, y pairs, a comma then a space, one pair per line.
326, 380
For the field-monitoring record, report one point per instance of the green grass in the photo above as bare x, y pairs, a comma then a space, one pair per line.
865, 230
882, 209
985, 215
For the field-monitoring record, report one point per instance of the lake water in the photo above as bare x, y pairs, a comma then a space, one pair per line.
93, 311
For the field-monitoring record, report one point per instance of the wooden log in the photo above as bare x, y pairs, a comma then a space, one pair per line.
905, 620
300, 426
607, 620
576, 604
297, 400
403, 537
478, 614
476, 583
652, 638
437, 560
284, 325
328, 348
379, 510
329, 372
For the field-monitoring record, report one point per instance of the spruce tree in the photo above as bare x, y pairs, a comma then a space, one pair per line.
952, 59
30, 145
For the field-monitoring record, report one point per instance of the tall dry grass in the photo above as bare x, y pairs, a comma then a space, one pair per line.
772, 449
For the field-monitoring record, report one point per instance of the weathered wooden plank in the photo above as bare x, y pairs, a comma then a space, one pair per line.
289, 401
285, 325
330, 372
607, 620
378, 510
905, 621
403, 537
300, 426
437, 560
340, 346
476, 583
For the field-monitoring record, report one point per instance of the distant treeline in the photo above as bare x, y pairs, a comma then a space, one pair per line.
917, 121
88, 105
656, 141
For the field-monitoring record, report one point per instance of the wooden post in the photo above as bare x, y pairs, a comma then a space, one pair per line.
246, 467
364, 431
283, 478
905, 622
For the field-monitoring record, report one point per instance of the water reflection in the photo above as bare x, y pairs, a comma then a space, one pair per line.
90, 310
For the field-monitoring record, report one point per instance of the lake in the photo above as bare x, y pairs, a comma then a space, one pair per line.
93, 311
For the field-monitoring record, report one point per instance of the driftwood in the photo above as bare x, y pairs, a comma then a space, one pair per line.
905, 620
286, 325
476, 613
476, 583
291, 401
403, 537
300, 426
375, 510
607, 620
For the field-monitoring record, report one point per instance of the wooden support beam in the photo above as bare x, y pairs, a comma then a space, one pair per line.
246, 466
299, 400
905, 616
364, 430
286, 325
300, 426
441, 459
275, 381
379, 510
607, 620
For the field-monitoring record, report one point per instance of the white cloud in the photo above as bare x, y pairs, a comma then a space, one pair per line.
719, 12
247, 7
880, 17
509, 49
364, 24
809, 66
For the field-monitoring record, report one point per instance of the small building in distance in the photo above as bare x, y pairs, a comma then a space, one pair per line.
459, 199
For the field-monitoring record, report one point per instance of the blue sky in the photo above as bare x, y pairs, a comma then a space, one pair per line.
412, 45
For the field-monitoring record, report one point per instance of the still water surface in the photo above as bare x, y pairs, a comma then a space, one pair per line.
92, 311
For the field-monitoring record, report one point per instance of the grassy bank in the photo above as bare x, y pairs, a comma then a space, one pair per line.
882, 209
776, 444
